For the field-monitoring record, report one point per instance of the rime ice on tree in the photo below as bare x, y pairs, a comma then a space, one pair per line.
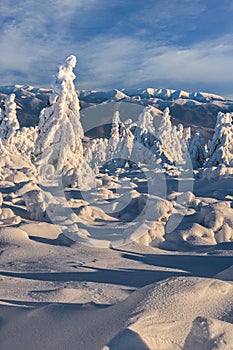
168, 146
221, 146
126, 142
14, 138
197, 151
9, 122
95, 153
60, 131
25, 141
144, 136
145, 131
112, 149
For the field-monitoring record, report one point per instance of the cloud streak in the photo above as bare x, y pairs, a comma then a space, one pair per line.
118, 44
132, 62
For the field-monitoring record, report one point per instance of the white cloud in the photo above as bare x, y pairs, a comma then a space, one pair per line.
37, 36
129, 62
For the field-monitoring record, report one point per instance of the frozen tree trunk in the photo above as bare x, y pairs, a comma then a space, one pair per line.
59, 142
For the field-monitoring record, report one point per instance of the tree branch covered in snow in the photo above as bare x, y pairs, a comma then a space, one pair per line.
9, 121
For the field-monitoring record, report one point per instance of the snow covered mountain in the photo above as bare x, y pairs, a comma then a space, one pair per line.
197, 108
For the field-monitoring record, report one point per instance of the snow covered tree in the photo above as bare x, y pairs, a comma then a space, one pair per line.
197, 151
221, 146
180, 131
145, 131
126, 142
168, 145
187, 135
114, 139
1, 115
9, 123
144, 136
60, 131
3, 151
95, 153
25, 140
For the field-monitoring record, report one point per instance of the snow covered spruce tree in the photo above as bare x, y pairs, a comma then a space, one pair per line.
126, 142
25, 139
168, 146
221, 146
121, 141
113, 142
9, 122
197, 151
145, 131
144, 136
95, 153
59, 142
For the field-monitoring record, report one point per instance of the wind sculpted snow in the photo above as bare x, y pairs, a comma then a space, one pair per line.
117, 242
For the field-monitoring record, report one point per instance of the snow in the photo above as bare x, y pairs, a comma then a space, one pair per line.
117, 243
209, 334
60, 131
9, 123
197, 151
220, 148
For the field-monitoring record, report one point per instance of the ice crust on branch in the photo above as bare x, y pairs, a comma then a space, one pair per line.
9, 121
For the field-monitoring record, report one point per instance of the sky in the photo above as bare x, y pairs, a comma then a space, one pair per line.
177, 44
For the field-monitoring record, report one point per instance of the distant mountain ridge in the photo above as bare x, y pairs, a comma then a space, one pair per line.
198, 109
148, 93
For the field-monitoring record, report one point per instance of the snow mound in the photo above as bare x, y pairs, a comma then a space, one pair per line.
226, 275
10, 235
41, 229
218, 217
56, 295
156, 317
209, 334
161, 314
193, 234
8, 218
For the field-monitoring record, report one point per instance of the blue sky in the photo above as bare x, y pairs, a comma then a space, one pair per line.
179, 44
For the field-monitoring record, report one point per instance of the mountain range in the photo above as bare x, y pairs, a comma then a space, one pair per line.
195, 109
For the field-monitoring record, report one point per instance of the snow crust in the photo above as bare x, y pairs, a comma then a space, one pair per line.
153, 193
